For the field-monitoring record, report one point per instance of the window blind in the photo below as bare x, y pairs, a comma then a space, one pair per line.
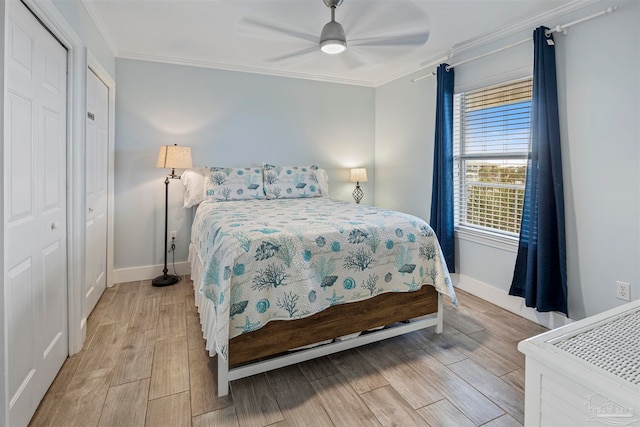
491, 146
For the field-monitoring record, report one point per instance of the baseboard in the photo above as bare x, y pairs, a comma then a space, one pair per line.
83, 335
134, 274
475, 287
513, 304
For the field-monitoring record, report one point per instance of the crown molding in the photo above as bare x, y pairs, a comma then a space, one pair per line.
478, 42
241, 69
96, 17
457, 50
516, 27
437, 59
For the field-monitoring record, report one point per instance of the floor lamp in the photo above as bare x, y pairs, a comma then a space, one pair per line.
170, 157
358, 175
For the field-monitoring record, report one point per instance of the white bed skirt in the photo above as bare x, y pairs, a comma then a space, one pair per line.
206, 308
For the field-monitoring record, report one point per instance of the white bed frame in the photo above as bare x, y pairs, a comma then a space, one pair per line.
225, 374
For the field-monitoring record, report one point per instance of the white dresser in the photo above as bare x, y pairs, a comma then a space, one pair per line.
586, 373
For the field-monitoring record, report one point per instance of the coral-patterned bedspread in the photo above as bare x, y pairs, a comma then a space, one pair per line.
287, 259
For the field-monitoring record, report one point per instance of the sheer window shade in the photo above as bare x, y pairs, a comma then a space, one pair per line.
491, 131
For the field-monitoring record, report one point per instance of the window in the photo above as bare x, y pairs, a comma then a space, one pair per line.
491, 146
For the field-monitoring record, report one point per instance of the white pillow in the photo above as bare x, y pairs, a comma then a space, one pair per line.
323, 182
193, 181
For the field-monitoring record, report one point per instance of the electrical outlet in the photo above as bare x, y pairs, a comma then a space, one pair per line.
173, 235
623, 291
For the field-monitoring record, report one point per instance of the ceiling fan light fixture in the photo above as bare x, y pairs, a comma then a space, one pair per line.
333, 47
332, 38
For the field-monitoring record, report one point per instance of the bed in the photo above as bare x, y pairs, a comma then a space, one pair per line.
282, 280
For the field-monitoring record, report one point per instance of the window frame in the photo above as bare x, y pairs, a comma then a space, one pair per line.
476, 233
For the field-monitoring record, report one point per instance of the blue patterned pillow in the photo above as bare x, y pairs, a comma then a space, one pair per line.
291, 182
223, 184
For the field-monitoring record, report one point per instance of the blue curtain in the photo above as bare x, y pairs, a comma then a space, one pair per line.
540, 274
442, 189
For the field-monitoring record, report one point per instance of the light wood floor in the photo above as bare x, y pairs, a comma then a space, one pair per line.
144, 364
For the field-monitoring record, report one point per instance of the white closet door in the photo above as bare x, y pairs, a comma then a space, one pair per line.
97, 163
35, 210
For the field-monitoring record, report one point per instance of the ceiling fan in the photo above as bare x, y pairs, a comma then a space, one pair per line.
333, 39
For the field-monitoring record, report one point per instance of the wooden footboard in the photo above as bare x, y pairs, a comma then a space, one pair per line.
271, 342
343, 319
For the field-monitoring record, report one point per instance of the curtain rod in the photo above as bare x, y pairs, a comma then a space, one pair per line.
557, 29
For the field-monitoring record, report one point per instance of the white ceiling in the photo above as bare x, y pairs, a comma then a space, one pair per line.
219, 33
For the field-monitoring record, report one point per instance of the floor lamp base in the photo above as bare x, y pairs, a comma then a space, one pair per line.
165, 280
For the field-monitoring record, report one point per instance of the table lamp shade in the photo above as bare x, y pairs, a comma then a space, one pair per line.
174, 157
358, 175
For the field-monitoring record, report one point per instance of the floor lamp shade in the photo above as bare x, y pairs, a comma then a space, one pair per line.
174, 157
358, 175
170, 157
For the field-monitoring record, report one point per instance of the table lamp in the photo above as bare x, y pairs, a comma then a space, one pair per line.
358, 175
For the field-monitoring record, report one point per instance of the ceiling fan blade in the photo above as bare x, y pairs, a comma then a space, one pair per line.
354, 59
362, 18
250, 22
415, 39
351, 61
299, 54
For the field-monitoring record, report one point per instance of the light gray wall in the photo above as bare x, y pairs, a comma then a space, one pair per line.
599, 95
228, 119
599, 91
405, 114
78, 18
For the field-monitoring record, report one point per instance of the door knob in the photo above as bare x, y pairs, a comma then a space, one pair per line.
54, 226
90, 209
